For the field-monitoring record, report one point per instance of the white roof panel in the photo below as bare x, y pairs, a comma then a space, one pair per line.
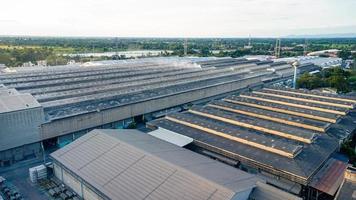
171, 137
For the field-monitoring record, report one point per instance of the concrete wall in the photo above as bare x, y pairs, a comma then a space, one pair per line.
71, 124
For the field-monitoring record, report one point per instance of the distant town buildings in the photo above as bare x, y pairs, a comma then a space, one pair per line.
42, 63
71, 62
28, 64
2, 67
329, 53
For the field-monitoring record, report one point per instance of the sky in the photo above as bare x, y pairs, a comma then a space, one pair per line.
176, 18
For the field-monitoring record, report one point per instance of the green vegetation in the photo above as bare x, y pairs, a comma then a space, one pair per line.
344, 54
132, 125
16, 50
342, 80
348, 148
17, 56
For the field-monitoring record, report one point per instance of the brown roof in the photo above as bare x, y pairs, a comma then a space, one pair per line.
330, 177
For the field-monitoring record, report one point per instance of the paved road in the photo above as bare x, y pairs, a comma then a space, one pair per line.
18, 176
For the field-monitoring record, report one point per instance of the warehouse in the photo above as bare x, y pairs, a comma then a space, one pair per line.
287, 135
129, 164
19, 113
117, 94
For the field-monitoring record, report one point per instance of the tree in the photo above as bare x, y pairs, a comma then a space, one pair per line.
344, 54
309, 81
205, 52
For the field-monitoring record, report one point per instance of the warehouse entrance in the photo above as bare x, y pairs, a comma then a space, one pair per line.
50, 144
139, 119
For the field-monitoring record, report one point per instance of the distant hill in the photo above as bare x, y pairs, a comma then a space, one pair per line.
336, 35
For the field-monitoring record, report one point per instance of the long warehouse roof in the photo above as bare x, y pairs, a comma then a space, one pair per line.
291, 141
129, 164
68, 91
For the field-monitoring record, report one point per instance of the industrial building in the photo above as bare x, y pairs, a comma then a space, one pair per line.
348, 187
323, 62
129, 164
289, 137
72, 100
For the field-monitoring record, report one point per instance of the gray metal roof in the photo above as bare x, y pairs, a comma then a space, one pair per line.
296, 102
345, 126
284, 118
267, 192
128, 164
284, 148
11, 100
260, 123
275, 106
347, 191
302, 166
68, 91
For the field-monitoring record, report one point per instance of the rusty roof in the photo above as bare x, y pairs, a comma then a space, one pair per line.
330, 176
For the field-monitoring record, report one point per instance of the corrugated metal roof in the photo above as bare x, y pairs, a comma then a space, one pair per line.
128, 164
286, 149
347, 191
11, 100
302, 166
330, 176
268, 192
171, 137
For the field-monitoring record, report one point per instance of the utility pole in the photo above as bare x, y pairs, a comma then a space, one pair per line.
277, 49
249, 40
116, 47
305, 47
295, 66
185, 47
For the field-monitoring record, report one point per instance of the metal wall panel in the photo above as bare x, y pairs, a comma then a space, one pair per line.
94, 119
20, 127
57, 171
72, 182
89, 194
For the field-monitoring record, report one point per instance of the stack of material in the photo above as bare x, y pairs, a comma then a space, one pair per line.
37, 173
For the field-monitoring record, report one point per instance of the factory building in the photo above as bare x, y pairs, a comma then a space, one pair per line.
323, 62
129, 164
116, 94
20, 119
348, 187
289, 137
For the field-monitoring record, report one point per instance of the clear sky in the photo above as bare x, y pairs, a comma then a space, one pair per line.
176, 18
